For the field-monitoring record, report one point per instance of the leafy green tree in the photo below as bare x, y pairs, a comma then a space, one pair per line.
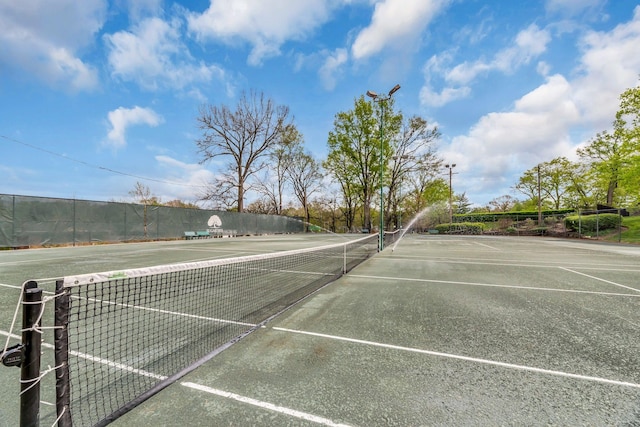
345, 177
627, 127
604, 155
356, 151
553, 180
461, 203
427, 190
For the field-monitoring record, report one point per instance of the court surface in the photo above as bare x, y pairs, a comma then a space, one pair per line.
440, 330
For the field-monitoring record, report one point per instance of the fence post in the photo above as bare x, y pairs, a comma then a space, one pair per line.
579, 223
14, 241
619, 225
74, 222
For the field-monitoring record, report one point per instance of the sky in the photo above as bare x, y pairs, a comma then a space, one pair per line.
98, 95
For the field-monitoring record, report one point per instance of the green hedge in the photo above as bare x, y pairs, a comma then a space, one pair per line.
592, 223
514, 216
461, 228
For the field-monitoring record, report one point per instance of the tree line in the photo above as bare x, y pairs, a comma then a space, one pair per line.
373, 145
607, 171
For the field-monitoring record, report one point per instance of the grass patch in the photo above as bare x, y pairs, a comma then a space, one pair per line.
630, 231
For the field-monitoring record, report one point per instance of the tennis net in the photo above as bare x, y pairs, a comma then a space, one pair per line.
122, 336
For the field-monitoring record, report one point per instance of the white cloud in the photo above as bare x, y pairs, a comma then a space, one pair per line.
264, 25
138, 9
507, 143
121, 118
553, 119
393, 23
48, 48
572, 7
528, 44
437, 99
332, 66
609, 65
185, 181
153, 56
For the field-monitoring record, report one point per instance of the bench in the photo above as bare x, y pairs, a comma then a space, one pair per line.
203, 234
188, 235
433, 231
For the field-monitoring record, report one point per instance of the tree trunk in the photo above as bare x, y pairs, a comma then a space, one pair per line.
366, 210
241, 196
610, 192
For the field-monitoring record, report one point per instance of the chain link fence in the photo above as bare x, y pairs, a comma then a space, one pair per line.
27, 221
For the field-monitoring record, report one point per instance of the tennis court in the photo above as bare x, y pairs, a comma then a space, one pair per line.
440, 330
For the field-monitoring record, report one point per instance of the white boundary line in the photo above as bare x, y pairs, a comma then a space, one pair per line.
602, 280
490, 285
228, 395
465, 358
10, 335
485, 261
264, 405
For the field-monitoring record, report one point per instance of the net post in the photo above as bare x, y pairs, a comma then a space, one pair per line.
61, 352
30, 369
344, 260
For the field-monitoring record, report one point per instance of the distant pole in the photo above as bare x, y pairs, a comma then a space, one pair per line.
450, 167
539, 200
382, 100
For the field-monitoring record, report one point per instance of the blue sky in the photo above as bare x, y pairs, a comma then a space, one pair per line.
96, 95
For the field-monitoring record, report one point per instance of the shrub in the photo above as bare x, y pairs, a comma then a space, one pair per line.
461, 228
513, 216
592, 223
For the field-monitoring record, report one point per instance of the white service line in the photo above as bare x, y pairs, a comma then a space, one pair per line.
264, 405
490, 285
484, 261
465, 358
602, 280
487, 246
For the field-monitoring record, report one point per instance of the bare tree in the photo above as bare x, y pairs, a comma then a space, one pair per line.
413, 149
272, 184
244, 137
142, 194
305, 177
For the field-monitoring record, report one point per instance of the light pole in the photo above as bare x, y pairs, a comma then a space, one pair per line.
450, 167
382, 100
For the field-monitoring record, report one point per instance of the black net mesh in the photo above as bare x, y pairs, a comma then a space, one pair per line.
130, 332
